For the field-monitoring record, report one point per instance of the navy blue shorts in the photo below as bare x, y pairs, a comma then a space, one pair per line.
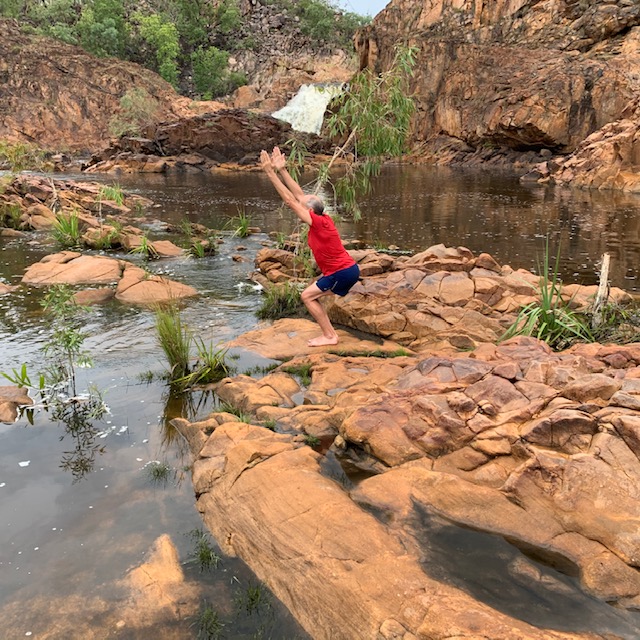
341, 281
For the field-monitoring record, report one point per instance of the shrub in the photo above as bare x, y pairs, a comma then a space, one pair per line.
20, 156
137, 110
102, 29
211, 76
162, 36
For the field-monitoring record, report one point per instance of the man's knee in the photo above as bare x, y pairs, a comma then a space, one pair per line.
310, 294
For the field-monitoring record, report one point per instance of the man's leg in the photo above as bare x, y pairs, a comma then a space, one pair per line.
310, 298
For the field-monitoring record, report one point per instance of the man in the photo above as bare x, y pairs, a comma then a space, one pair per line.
339, 270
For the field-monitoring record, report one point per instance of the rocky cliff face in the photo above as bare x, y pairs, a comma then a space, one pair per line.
521, 75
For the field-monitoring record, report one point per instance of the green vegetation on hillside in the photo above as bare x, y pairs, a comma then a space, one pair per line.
188, 42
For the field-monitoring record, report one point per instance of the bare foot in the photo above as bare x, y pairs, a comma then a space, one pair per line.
322, 341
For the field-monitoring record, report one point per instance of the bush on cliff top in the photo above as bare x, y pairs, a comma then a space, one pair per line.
164, 35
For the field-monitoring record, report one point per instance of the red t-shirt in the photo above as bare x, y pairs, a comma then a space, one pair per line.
326, 246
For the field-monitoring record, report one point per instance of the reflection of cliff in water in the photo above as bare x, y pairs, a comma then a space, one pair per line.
416, 208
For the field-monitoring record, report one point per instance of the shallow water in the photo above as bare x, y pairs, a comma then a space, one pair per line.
61, 539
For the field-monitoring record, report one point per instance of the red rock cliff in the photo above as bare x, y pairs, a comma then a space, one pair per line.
520, 74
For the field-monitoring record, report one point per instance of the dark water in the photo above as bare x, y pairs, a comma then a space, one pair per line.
416, 207
61, 540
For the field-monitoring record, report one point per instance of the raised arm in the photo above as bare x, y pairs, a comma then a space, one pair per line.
297, 205
279, 163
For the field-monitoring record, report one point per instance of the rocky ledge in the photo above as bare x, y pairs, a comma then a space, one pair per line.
491, 477
427, 480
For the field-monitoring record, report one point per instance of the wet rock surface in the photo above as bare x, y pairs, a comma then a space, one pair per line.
499, 495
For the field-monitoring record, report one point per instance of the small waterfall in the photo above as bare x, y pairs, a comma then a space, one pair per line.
305, 111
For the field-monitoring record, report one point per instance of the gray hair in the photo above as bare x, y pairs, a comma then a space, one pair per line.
313, 202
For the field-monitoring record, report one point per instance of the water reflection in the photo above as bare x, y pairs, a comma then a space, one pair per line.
416, 207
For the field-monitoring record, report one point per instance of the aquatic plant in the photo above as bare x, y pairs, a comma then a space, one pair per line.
210, 366
241, 224
55, 388
208, 624
66, 230
113, 192
145, 249
175, 340
281, 301
158, 472
203, 553
550, 317
254, 599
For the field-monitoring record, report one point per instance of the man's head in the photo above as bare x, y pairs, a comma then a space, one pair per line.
315, 204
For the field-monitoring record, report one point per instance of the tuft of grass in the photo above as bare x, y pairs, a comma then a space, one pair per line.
203, 554
158, 472
301, 371
243, 416
10, 214
174, 339
211, 366
113, 192
311, 441
550, 318
261, 370
147, 377
619, 325
66, 230
241, 224
281, 301
145, 249
270, 424
21, 156
208, 624
254, 599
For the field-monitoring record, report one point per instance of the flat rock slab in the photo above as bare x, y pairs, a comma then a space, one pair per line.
288, 338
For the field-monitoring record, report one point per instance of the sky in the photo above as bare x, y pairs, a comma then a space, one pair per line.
364, 7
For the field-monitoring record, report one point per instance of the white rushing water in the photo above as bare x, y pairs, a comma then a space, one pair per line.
305, 111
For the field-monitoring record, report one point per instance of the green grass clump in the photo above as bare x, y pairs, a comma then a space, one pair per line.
281, 301
550, 318
301, 371
158, 472
203, 554
241, 224
208, 624
311, 441
66, 230
243, 416
174, 339
376, 353
145, 249
210, 366
113, 192
10, 214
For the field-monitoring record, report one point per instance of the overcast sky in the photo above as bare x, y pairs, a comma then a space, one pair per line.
364, 7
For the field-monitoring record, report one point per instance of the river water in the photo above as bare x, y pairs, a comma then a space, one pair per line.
63, 537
